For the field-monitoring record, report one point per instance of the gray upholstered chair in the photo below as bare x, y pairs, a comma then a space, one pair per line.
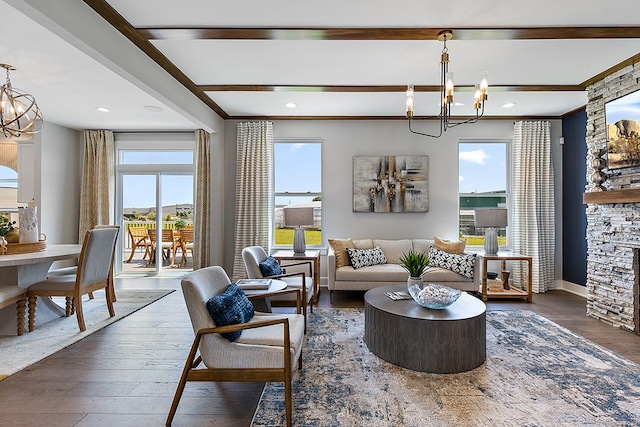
253, 256
95, 270
267, 349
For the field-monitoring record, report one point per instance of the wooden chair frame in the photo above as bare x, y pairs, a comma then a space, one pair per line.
138, 239
18, 296
191, 373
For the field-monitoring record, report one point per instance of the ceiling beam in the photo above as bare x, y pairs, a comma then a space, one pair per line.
538, 33
387, 88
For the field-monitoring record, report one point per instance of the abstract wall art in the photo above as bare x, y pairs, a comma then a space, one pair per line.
390, 183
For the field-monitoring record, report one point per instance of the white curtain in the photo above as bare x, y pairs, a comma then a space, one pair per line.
254, 189
202, 231
97, 191
533, 224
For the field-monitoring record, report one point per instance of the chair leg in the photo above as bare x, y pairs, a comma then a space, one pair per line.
68, 306
181, 384
287, 401
21, 308
32, 313
110, 299
80, 315
133, 251
90, 295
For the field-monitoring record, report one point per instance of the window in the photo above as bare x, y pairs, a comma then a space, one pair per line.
483, 183
298, 183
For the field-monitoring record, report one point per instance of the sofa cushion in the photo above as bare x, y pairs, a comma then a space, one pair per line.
339, 247
365, 257
451, 246
374, 273
363, 243
422, 245
231, 307
462, 264
393, 249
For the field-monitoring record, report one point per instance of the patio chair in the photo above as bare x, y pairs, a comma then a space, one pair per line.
139, 237
267, 349
167, 243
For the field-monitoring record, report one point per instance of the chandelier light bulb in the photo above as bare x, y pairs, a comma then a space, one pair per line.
449, 87
477, 97
484, 84
410, 101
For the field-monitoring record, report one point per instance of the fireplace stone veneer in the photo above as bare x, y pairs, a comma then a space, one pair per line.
613, 229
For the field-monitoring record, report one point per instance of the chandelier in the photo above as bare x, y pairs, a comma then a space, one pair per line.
446, 94
19, 113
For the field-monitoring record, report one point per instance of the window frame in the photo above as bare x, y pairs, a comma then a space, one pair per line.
508, 170
276, 194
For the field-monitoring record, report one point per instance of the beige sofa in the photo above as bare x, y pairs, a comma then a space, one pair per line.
346, 278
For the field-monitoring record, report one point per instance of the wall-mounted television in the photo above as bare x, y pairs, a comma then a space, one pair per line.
623, 131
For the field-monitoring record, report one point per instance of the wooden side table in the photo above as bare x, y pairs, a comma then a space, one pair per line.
309, 255
503, 257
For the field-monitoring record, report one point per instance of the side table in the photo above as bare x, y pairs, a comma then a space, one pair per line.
503, 257
309, 255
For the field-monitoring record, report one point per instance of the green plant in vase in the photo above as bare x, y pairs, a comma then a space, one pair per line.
180, 224
416, 263
6, 226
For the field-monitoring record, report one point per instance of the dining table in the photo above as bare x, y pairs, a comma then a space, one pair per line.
25, 269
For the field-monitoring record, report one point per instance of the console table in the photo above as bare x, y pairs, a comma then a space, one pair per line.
503, 257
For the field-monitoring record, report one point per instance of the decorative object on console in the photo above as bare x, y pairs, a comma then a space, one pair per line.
491, 218
598, 163
390, 183
19, 113
446, 94
298, 217
28, 224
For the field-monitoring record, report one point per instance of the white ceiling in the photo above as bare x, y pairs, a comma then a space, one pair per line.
57, 66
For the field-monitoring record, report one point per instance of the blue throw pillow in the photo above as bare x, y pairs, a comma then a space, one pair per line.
270, 267
231, 307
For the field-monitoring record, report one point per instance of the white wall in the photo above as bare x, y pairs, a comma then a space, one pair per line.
344, 139
58, 163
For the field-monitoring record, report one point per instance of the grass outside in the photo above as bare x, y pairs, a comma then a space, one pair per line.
284, 236
479, 240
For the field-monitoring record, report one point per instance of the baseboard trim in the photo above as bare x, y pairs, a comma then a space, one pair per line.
572, 288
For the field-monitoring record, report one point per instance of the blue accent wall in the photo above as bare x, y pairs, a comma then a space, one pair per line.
574, 216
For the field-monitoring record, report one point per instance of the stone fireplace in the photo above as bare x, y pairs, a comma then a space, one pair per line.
613, 217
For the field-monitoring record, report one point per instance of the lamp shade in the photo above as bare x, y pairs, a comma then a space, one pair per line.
491, 217
298, 217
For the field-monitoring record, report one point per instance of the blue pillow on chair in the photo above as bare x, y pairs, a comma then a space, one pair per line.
270, 267
231, 307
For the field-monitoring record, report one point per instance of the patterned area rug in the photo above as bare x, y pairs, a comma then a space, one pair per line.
18, 352
536, 374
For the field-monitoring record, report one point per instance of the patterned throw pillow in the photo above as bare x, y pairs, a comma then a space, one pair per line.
451, 246
231, 307
366, 257
270, 267
461, 264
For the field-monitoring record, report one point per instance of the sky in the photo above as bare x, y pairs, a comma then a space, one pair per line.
302, 165
482, 167
626, 107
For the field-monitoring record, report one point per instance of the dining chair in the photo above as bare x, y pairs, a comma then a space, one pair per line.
95, 270
139, 237
254, 256
185, 243
167, 242
266, 350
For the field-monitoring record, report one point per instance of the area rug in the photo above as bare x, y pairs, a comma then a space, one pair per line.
19, 352
536, 374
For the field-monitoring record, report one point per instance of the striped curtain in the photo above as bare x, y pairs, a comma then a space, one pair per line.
202, 231
254, 189
97, 190
533, 226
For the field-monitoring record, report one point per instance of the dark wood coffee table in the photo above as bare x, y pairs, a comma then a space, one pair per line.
440, 341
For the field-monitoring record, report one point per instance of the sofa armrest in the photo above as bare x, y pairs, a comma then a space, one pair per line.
477, 271
331, 269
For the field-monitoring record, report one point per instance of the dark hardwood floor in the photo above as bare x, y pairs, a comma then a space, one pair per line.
126, 374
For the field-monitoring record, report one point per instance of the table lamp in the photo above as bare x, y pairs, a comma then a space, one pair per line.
491, 218
298, 217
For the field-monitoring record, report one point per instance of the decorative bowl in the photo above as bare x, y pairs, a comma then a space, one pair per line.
432, 295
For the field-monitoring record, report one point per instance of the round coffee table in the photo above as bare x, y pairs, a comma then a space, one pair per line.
439, 341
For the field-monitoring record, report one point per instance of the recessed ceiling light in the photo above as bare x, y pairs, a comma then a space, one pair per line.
509, 105
153, 108
290, 105
103, 109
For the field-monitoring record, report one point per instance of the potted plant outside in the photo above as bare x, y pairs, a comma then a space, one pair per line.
180, 223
